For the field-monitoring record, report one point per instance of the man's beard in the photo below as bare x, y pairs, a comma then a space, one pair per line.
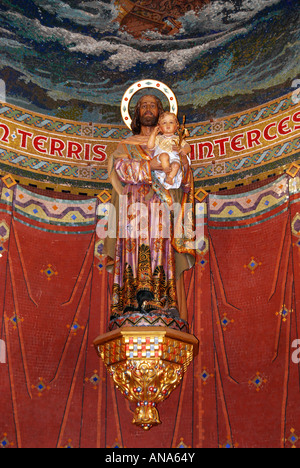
149, 120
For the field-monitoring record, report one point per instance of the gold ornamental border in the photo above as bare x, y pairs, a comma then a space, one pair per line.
67, 156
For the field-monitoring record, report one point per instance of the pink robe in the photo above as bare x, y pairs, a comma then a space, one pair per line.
144, 252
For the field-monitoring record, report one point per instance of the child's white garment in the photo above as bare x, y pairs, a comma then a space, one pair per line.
164, 144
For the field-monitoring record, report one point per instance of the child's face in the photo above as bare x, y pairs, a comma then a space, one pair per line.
168, 125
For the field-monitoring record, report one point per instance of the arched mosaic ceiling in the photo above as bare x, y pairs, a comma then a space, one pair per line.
74, 59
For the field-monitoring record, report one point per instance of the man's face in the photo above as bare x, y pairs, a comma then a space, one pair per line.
149, 111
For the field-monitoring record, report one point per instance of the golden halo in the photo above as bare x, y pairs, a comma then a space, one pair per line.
142, 85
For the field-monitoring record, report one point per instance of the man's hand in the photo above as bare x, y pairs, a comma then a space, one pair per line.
186, 188
156, 166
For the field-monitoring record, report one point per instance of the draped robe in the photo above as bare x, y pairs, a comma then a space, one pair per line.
146, 262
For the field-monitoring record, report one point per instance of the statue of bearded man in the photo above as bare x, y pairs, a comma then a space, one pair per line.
147, 264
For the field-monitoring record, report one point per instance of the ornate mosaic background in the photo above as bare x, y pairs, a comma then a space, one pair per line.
74, 59
234, 66
247, 328
71, 156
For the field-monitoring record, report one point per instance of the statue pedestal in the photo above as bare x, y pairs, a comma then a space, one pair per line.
146, 365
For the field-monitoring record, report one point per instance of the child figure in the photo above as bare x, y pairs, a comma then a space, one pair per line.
171, 175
